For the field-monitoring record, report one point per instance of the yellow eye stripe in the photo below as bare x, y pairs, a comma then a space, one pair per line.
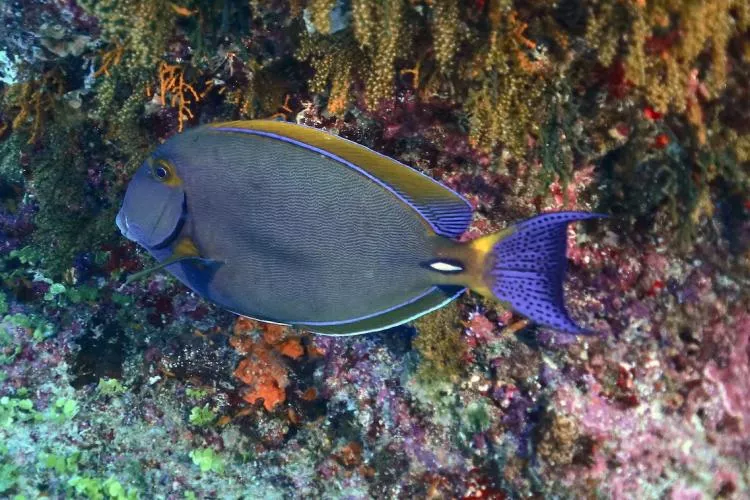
171, 179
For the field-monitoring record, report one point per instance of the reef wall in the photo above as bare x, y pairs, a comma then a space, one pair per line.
636, 108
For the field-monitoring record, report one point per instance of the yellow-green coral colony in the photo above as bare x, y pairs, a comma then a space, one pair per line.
505, 86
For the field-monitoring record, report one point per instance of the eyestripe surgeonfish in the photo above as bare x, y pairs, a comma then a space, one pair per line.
289, 224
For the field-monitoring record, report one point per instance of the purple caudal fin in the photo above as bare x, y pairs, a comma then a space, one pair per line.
529, 268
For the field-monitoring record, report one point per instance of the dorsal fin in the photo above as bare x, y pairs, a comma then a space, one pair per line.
444, 210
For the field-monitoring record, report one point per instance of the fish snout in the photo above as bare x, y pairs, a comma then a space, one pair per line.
120, 221
130, 231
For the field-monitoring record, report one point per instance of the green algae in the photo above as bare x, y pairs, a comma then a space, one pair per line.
38, 328
476, 417
207, 460
95, 488
201, 416
110, 387
194, 393
9, 472
14, 410
61, 464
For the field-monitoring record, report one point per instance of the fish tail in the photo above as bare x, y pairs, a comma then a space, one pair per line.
524, 266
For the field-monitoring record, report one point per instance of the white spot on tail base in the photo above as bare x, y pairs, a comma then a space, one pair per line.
445, 267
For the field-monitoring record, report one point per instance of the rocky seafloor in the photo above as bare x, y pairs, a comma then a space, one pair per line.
639, 109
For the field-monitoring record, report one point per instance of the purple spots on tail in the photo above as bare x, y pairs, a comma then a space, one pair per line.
530, 268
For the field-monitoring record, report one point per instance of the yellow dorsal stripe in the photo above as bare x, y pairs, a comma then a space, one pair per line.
416, 187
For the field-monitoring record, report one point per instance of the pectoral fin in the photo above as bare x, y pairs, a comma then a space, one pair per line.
184, 251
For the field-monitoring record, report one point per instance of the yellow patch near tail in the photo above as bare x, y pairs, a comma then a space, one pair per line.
482, 260
477, 258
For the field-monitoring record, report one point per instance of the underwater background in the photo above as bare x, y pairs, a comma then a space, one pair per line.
639, 109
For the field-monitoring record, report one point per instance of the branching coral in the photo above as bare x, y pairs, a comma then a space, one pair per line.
143, 27
664, 41
505, 78
505, 105
364, 22
370, 55
110, 58
445, 26
606, 27
34, 101
387, 44
333, 61
172, 82
118, 106
320, 12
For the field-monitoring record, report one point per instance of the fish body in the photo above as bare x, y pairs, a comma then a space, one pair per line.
289, 224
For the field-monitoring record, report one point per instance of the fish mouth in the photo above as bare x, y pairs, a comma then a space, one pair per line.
131, 231
137, 234
122, 224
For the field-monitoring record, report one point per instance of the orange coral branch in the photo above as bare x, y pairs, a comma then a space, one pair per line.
518, 30
182, 11
35, 100
110, 58
527, 64
513, 328
285, 106
172, 81
414, 72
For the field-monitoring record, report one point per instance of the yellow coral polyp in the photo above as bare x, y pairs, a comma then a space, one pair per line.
320, 12
504, 109
380, 79
665, 40
445, 32
334, 68
143, 26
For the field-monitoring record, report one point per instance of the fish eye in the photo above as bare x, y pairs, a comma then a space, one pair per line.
161, 170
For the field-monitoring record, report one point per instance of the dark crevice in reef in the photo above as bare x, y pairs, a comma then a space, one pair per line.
101, 353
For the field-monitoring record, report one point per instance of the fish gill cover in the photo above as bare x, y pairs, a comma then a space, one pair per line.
635, 108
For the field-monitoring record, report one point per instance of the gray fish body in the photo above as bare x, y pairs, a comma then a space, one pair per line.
299, 237
293, 225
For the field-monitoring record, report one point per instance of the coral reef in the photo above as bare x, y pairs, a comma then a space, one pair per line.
440, 345
638, 109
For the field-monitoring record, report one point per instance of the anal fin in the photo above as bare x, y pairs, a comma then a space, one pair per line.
434, 299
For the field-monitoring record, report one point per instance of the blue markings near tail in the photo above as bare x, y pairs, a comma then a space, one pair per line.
529, 268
